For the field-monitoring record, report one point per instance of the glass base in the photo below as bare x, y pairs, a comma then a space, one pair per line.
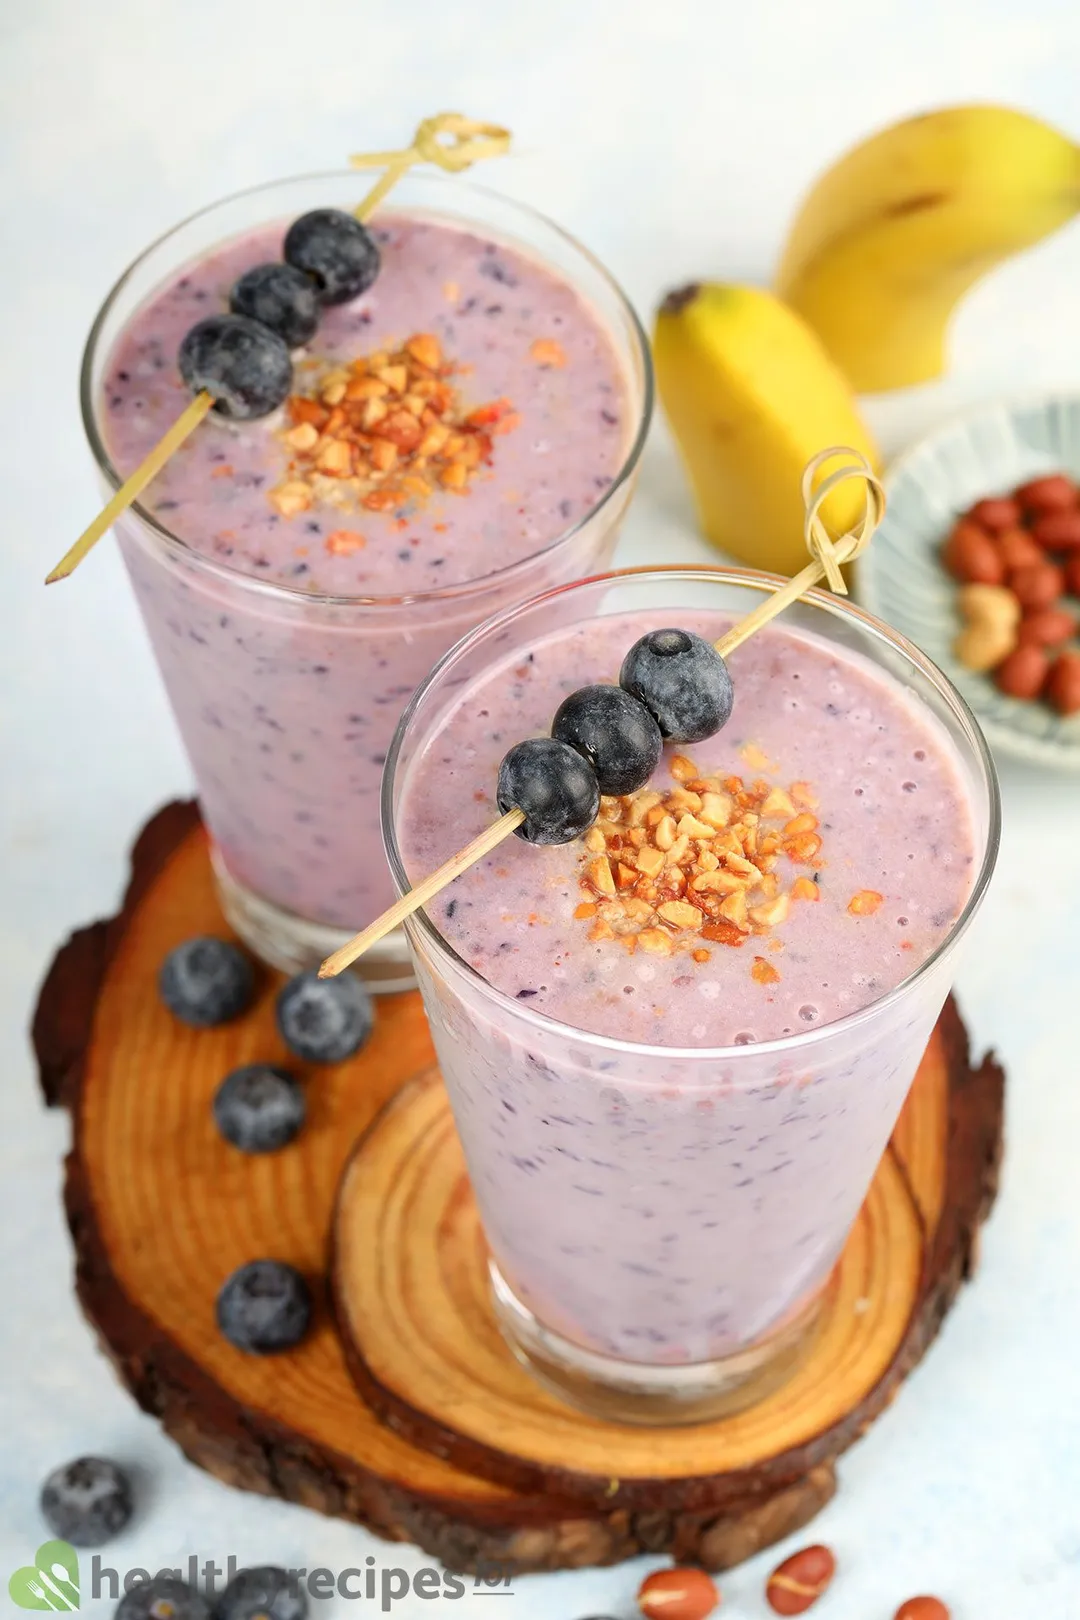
634, 1392
291, 943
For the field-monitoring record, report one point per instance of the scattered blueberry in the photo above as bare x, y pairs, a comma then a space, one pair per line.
244, 365
87, 1501
259, 1108
615, 733
265, 1306
336, 250
162, 1597
324, 1020
265, 1593
555, 788
682, 681
206, 981
282, 298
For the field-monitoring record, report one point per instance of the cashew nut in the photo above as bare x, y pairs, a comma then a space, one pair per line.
991, 616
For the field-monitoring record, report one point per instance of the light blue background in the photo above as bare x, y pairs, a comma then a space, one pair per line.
675, 139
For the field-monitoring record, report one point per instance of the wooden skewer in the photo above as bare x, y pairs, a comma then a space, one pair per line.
481, 845
132, 487
828, 557
469, 142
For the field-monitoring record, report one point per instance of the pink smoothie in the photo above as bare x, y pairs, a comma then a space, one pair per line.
287, 703
659, 1206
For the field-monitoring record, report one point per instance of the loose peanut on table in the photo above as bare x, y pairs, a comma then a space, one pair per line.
796, 1584
678, 1594
922, 1608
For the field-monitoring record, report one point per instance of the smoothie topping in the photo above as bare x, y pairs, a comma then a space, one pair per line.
708, 857
661, 871
386, 431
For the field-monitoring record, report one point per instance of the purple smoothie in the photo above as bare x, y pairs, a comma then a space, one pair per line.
670, 1205
286, 701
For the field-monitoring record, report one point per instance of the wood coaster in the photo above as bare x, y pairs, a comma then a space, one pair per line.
162, 1210
414, 1303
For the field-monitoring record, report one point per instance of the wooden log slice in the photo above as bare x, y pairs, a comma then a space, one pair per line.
413, 1300
161, 1210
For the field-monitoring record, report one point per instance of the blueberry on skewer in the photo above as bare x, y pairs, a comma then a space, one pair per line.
554, 788
240, 362
281, 297
614, 732
336, 250
683, 682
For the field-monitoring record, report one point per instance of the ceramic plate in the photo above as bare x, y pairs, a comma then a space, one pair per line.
900, 577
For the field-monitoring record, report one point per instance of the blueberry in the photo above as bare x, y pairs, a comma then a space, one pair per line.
324, 1020
206, 981
335, 248
162, 1597
244, 365
553, 785
86, 1502
682, 681
264, 1306
265, 1593
615, 733
280, 297
259, 1108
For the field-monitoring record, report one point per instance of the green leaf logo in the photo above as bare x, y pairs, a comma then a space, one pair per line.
50, 1582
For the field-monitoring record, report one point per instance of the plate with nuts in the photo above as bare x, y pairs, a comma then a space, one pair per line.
978, 562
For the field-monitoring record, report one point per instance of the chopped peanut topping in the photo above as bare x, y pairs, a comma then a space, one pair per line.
344, 541
763, 972
666, 870
756, 758
385, 430
546, 352
865, 903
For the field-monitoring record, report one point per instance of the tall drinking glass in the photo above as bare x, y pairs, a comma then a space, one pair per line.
286, 699
663, 1220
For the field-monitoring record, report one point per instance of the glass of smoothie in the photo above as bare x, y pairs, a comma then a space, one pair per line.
676, 1047
300, 574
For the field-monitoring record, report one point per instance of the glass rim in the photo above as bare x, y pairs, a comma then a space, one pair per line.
180, 549
838, 607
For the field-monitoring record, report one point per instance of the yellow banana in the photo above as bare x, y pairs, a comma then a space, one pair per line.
751, 396
893, 234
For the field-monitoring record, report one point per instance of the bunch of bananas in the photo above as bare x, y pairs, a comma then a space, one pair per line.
886, 243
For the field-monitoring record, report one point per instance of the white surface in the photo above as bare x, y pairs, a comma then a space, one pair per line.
675, 138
